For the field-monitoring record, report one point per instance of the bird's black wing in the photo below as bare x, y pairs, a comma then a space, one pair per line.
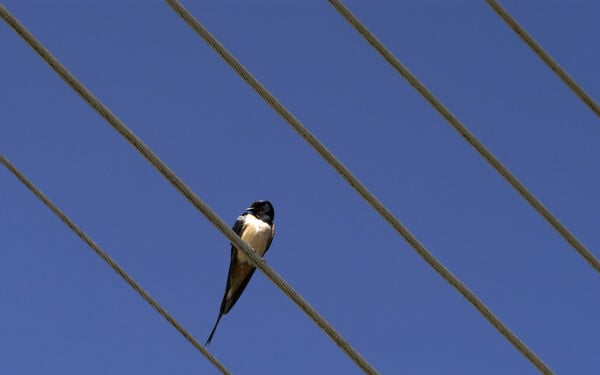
239, 224
237, 228
227, 304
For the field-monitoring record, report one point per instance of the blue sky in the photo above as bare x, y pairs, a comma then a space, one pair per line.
65, 311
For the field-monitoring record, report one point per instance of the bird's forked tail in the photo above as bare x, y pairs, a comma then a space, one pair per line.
214, 329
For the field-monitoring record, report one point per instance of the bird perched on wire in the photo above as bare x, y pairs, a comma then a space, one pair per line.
255, 226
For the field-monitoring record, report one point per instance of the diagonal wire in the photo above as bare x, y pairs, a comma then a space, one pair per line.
469, 137
552, 64
357, 185
120, 127
98, 250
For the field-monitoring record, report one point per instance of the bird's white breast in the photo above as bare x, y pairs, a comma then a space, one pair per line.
257, 234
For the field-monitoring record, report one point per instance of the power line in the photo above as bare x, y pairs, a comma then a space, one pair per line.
465, 133
98, 250
120, 127
356, 184
542, 54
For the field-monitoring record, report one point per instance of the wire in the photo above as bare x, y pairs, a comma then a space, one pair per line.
552, 64
98, 250
120, 127
356, 184
465, 133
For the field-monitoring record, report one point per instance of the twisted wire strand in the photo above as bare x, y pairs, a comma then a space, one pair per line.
120, 127
545, 56
105, 257
467, 135
356, 184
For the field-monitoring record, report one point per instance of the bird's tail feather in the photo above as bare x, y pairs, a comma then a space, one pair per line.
214, 329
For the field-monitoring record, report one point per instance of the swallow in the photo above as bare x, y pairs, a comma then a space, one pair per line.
255, 226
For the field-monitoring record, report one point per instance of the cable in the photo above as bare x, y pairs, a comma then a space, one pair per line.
465, 133
356, 184
552, 64
120, 127
112, 263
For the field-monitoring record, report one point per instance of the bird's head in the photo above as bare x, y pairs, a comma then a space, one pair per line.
263, 210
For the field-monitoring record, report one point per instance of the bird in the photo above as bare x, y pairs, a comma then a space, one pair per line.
255, 226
